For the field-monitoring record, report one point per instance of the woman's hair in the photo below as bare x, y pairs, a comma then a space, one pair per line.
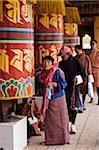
94, 41
78, 47
48, 58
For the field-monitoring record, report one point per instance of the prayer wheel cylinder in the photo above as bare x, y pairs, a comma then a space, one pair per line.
16, 49
49, 35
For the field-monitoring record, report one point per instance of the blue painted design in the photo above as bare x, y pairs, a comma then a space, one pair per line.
17, 30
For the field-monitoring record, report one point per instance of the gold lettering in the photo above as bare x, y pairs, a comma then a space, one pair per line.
53, 20
42, 52
53, 52
13, 11
75, 29
60, 20
44, 21
17, 60
4, 61
69, 28
23, 1
26, 12
29, 60
1, 11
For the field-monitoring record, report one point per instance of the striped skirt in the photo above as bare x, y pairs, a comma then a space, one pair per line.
57, 122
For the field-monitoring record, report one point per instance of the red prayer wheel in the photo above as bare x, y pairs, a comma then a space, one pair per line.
49, 35
16, 50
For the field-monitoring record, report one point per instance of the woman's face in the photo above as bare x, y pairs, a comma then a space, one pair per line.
47, 64
66, 56
78, 51
94, 45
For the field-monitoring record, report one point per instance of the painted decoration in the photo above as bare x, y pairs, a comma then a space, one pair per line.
16, 50
71, 34
49, 35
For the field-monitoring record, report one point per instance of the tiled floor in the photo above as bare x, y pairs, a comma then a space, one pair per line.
87, 137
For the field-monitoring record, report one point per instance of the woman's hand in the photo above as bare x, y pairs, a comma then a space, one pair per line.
52, 84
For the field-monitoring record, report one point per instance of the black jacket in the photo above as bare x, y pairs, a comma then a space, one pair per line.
72, 67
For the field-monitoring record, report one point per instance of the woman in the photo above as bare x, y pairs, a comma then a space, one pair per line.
86, 62
54, 107
71, 67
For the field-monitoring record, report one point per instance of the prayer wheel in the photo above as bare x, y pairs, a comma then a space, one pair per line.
16, 49
49, 35
71, 21
49, 29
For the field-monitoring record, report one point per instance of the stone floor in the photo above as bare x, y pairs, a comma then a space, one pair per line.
86, 138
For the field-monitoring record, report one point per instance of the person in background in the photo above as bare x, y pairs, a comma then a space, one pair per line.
54, 108
71, 67
31, 109
85, 60
94, 56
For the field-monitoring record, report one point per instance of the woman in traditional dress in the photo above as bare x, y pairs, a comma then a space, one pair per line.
54, 107
86, 62
94, 56
72, 68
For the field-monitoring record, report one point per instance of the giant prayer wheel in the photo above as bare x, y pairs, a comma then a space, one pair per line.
16, 49
49, 35
71, 21
49, 30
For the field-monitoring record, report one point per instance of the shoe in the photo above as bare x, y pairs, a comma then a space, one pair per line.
12, 114
98, 101
84, 108
73, 129
80, 111
91, 101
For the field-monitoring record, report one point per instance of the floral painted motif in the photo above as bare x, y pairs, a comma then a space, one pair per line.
15, 89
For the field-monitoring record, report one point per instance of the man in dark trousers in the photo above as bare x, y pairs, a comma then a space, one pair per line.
71, 67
